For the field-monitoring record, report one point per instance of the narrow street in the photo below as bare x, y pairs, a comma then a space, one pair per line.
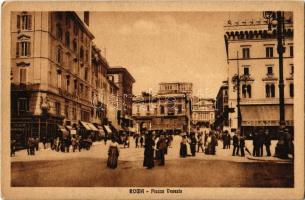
88, 168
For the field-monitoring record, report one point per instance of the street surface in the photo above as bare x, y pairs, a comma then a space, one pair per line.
88, 168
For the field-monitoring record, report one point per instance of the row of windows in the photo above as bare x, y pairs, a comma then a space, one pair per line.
246, 70
269, 52
171, 109
269, 90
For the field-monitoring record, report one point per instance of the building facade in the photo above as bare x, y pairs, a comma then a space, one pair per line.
203, 112
252, 55
168, 111
124, 81
222, 107
59, 79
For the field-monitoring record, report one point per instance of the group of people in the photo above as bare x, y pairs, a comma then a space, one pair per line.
64, 144
206, 143
32, 145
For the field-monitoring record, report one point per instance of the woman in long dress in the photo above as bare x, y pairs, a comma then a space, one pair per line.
183, 148
113, 154
149, 152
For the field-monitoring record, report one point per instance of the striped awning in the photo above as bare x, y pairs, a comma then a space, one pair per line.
85, 125
108, 130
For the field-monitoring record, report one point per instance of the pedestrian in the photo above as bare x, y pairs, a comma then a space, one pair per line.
170, 140
235, 145
141, 140
32, 146
267, 142
44, 141
73, 143
113, 154
228, 140
214, 143
137, 141
224, 140
13, 147
183, 148
29, 146
205, 138
255, 151
149, 151
261, 141
37, 143
200, 143
242, 145
193, 143
161, 145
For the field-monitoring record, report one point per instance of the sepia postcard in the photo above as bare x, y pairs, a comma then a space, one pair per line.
152, 100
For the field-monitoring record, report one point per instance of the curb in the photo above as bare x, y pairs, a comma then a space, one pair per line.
270, 159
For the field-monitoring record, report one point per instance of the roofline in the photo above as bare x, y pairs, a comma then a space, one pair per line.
115, 70
84, 26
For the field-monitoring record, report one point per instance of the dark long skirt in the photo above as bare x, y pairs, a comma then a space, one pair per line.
183, 150
148, 158
113, 155
193, 149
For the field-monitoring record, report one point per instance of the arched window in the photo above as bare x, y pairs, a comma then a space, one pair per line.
249, 90
272, 88
291, 89
267, 88
68, 39
244, 91
59, 55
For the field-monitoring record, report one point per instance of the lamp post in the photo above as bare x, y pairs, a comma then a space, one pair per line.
236, 82
276, 19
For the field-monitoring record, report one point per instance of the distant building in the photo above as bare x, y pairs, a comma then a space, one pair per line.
168, 111
176, 88
124, 81
203, 112
252, 51
222, 107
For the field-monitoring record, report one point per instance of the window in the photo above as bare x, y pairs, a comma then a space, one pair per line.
269, 70
162, 109
58, 32
68, 83
270, 90
81, 53
82, 36
148, 109
22, 105
22, 76
86, 74
138, 109
74, 113
59, 80
67, 111
74, 45
75, 29
68, 39
246, 53
179, 109
68, 24
59, 55
246, 91
269, 52
24, 22
57, 108
246, 71
291, 69
291, 51
291, 90
23, 49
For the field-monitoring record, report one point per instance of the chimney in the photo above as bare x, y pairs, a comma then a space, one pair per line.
86, 17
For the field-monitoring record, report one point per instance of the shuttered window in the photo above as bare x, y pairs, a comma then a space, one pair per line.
24, 22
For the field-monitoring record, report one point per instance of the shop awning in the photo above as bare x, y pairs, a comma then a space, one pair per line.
62, 129
108, 130
92, 127
85, 125
71, 129
101, 130
264, 115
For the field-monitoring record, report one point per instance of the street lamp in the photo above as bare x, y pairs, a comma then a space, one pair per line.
236, 82
276, 19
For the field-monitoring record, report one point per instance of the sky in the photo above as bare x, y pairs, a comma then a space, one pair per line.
165, 47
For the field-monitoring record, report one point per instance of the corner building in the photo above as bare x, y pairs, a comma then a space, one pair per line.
252, 54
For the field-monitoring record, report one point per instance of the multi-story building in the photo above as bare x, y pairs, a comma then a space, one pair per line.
222, 107
51, 82
176, 88
124, 81
167, 111
252, 56
203, 112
